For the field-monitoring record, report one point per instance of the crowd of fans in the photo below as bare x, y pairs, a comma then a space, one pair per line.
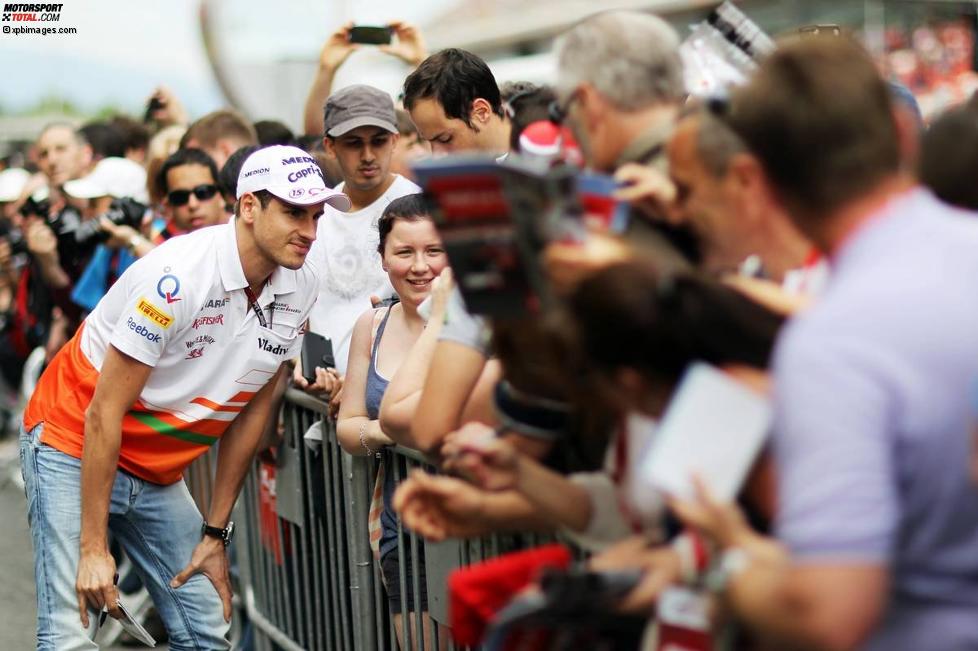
805, 234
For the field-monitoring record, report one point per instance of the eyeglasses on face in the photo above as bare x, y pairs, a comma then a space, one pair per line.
202, 192
557, 111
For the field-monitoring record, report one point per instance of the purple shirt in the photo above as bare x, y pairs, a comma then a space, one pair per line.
876, 407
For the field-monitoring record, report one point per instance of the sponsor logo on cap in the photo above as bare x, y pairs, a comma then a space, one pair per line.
154, 314
298, 160
294, 177
295, 193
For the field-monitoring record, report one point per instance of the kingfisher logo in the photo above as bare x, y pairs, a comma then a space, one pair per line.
217, 319
168, 288
143, 331
31, 13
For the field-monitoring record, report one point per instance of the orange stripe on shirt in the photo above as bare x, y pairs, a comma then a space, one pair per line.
213, 406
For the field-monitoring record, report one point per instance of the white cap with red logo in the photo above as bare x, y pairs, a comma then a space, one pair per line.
290, 174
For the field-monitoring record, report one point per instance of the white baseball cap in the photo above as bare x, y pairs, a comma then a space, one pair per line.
112, 177
12, 183
290, 174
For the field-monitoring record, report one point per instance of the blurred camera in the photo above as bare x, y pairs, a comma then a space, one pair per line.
14, 237
154, 105
36, 208
76, 234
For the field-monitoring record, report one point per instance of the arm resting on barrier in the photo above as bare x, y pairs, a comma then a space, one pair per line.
355, 431
121, 380
454, 373
400, 401
439, 507
497, 465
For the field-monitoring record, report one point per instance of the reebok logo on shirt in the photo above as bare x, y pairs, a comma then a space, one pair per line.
143, 331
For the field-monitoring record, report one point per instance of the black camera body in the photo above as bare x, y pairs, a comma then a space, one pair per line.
76, 234
15, 238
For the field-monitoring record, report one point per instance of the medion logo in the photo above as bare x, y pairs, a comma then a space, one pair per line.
260, 170
277, 349
297, 160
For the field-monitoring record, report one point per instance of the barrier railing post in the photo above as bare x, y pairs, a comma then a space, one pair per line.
357, 476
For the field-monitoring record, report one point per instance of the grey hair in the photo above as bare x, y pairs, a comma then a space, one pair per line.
631, 58
716, 143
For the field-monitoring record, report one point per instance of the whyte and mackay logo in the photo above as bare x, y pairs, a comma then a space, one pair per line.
31, 13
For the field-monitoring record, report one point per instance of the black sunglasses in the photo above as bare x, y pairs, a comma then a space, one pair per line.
202, 192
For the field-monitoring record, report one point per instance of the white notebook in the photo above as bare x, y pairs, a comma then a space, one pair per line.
715, 427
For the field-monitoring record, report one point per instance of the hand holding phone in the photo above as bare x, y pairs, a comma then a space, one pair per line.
317, 350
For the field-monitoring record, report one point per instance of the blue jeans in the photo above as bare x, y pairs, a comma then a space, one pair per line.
158, 526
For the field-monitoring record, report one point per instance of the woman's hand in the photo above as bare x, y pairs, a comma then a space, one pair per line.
439, 507
475, 452
441, 292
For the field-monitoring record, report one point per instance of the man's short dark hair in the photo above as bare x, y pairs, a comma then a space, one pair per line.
819, 117
273, 132
228, 178
264, 198
135, 135
526, 103
181, 157
225, 123
105, 139
454, 78
949, 156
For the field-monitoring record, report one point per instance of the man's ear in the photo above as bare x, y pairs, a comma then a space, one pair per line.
592, 105
481, 112
248, 208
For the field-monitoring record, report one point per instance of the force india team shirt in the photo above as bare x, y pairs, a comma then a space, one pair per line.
181, 309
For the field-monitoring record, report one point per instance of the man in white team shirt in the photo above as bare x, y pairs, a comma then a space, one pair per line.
184, 350
361, 134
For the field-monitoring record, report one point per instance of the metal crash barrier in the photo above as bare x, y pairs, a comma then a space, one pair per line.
308, 577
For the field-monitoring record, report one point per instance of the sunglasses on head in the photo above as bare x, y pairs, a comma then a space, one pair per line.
202, 192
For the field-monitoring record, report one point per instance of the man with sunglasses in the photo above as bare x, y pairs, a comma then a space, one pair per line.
191, 200
185, 349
